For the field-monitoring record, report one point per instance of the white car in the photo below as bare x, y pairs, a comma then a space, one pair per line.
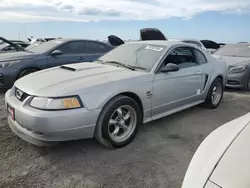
223, 158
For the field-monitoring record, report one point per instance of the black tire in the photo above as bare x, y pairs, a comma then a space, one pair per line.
208, 102
26, 72
102, 127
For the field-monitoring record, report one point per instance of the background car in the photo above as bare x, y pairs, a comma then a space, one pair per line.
109, 99
222, 159
41, 40
49, 54
237, 57
145, 35
190, 41
5, 47
211, 46
11, 45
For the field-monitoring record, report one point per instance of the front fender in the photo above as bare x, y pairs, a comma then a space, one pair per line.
98, 97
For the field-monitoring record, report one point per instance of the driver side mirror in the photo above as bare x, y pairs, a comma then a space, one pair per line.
170, 67
56, 53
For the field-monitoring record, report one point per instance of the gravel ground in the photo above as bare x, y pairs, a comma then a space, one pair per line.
158, 157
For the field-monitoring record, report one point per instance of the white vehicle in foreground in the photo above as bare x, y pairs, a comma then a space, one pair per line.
223, 158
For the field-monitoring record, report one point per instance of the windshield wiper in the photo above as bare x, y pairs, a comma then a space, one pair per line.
136, 67
121, 64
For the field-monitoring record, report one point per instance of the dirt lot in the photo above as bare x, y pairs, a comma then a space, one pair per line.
158, 157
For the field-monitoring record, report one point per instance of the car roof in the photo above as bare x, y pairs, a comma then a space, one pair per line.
184, 40
238, 44
160, 42
78, 39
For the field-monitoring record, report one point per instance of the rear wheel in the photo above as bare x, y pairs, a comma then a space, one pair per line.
26, 72
215, 94
119, 122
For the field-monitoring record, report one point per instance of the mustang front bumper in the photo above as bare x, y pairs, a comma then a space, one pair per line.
43, 128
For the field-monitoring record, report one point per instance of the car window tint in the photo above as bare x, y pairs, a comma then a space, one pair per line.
95, 47
77, 47
200, 58
181, 56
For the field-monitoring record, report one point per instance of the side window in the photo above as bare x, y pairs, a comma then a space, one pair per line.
77, 47
95, 47
200, 58
181, 56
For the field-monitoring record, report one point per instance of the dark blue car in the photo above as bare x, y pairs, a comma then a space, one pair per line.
50, 54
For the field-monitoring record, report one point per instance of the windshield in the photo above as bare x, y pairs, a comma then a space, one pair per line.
238, 50
43, 47
138, 55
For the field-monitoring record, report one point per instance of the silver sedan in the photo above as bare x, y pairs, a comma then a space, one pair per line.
110, 98
237, 57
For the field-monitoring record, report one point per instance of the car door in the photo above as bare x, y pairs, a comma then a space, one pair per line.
173, 91
95, 49
71, 52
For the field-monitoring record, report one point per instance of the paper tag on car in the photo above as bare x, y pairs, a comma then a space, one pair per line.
198, 91
158, 49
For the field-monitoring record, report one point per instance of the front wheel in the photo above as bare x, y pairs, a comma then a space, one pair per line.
215, 94
26, 72
119, 122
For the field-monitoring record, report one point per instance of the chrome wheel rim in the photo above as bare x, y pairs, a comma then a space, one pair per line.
216, 93
122, 123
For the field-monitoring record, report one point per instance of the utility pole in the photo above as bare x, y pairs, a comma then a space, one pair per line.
18, 36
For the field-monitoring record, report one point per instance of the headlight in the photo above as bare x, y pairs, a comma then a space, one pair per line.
238, 69
8, 63
56, 103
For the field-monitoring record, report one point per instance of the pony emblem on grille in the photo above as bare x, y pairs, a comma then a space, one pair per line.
19, 94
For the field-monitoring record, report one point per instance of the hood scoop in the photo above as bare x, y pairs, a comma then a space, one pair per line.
77, 68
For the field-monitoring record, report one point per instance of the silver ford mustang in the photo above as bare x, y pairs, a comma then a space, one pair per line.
110, 98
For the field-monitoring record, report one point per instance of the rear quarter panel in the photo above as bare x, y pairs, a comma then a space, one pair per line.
219, 67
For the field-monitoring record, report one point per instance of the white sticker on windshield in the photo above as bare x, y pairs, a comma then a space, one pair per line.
158, 49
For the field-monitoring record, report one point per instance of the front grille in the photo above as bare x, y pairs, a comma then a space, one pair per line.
20, 95
233, 82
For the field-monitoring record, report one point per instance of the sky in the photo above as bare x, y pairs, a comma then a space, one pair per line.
219, 20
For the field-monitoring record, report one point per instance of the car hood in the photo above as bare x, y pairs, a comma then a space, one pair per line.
73, 79
234, 167
16, 56
233, 60
209, 153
